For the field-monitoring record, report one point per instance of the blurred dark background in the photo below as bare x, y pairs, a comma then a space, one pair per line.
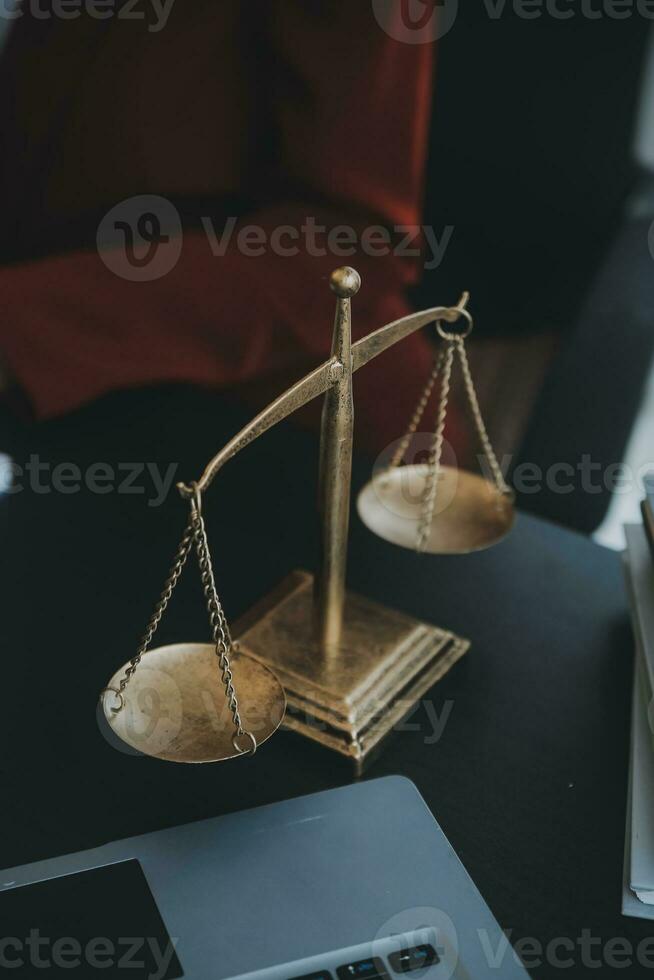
541, 159
537, 130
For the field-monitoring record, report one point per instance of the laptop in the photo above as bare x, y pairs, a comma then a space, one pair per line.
357, 883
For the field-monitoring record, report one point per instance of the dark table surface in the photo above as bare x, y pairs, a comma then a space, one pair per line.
528, 779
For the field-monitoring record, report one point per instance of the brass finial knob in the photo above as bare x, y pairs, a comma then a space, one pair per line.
345, 282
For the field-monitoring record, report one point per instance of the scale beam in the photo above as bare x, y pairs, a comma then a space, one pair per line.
320, 380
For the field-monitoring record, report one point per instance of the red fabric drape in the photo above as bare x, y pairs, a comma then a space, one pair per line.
345, 109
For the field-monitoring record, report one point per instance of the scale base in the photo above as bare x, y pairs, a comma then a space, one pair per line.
348, 700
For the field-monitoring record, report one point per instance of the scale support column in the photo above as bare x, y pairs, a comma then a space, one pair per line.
335, 478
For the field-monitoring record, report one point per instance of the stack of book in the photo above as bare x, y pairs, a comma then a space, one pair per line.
638, 892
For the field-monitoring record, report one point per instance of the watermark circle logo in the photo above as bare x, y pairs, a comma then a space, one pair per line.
416, 21
152, 716
140, 239
403, 472
423, 930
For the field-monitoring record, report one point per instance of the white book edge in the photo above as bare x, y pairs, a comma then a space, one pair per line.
636, 902
638, 891
640, 584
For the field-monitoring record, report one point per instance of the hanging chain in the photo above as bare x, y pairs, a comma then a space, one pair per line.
219, 627
435, 453
489, 452
160, 608
194, 534
398, 455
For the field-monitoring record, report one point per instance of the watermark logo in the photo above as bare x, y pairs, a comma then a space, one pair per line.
41, 477
431, 933
420, 930
153, 14
425, 21
140, 239
402, 471
340, 241
145, 954
152, 717
416, 21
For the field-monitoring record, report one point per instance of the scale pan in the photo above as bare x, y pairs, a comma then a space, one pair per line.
470, 512
175, 706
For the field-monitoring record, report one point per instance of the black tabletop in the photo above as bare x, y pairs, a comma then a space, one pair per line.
528, 777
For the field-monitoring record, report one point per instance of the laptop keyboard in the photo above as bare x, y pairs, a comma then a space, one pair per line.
374, 968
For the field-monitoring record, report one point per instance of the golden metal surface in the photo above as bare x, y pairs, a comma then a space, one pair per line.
350, 667
470, 512
318, 381
335, 476
176, 709
350, 700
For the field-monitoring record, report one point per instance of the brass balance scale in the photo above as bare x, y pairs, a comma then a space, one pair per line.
349, 668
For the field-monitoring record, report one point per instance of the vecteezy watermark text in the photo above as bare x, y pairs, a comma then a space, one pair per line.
582, 476
341, 241
141, 239
564, 952
568, 9
153, 14
98, 953
425, 21
155, 481
153, 715
43, 477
